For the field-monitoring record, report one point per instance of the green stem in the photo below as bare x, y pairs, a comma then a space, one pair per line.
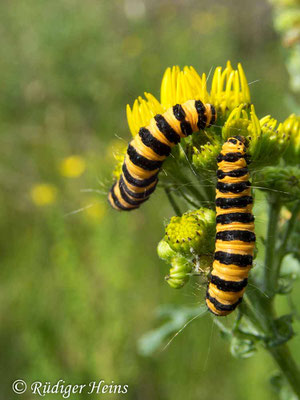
188, 199
181, 179
259, 311
269, 283
173, 202
284, 360
261, 314
282, 248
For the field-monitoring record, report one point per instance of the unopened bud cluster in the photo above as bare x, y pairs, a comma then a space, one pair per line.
188, 245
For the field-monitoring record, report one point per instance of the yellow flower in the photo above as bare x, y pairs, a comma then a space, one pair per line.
142, 111
267, 138
179, 86
274, 139
229, 88
242, 122
94, 208
43, 194
72, 166
291, 127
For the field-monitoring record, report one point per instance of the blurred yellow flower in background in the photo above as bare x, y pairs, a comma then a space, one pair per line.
43, 194
94, 208
72, 166
291, 127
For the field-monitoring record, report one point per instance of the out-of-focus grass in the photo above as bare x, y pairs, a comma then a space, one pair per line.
78, 290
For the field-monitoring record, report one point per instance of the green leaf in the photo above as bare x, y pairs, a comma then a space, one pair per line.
290, 271
284, 330
179, 318
242, 348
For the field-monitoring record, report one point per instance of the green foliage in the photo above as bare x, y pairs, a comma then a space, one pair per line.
176, 319
281, 387
242, 348
287, 23
285, 180
204, 158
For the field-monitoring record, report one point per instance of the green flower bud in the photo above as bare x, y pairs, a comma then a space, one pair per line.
285, 180
207, 216
291, 127
192, 233
204, 157
179, 273
164, 251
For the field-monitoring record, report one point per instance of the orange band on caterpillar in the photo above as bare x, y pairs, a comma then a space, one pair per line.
151, 146
235, 238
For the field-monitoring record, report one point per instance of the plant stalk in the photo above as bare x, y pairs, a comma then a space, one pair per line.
270, 281
284, 360
261, 313
283, 246
172, 202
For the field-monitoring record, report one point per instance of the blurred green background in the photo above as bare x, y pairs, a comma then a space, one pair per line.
80, 283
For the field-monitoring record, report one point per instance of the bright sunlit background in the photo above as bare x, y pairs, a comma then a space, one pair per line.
81, 283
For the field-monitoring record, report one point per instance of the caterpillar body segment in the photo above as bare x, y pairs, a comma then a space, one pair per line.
151, 146
235, 238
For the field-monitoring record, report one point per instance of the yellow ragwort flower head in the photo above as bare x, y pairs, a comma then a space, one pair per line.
242, 122
273, 140
142, 111
43, 194
72, 166
267, 139
229, 88
178, 86
291, 127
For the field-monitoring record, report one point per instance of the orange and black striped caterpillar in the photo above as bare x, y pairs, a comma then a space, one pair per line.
150, 147
235, 238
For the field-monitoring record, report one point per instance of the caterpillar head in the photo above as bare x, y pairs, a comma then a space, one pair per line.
234, 144
241, 140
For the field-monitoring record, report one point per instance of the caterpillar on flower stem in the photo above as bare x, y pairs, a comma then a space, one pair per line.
151, 146
235, 238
